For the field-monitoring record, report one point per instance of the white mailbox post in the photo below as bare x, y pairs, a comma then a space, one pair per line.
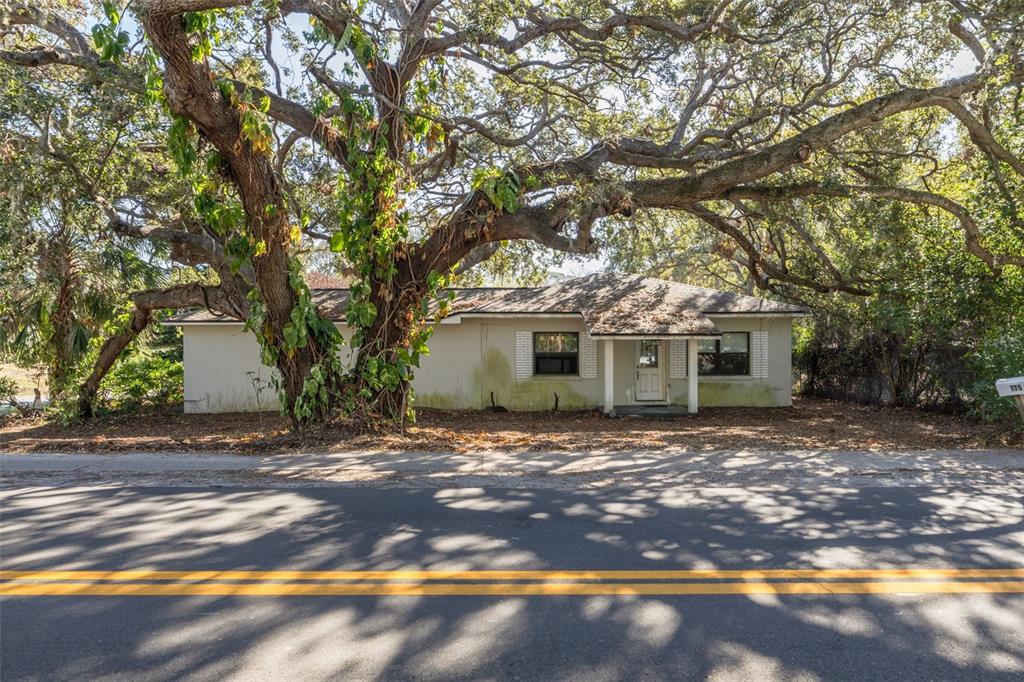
1013, 388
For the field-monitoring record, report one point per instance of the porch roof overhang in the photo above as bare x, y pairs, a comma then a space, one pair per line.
654, 337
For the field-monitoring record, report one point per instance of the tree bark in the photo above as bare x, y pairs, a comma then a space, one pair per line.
62, 317
190, 91
109, 353
390, 333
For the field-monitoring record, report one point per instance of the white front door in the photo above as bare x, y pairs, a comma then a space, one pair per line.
650, 372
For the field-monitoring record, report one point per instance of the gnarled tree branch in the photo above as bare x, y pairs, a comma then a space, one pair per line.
971, 230
172, 298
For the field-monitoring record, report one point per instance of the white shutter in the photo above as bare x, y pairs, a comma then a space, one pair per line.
677, 359
588, 356
759, 355
524, 355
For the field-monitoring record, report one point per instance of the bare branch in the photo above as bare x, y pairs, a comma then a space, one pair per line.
969, 39
162, 7
972, 232
762, 271
477, 256
981, 135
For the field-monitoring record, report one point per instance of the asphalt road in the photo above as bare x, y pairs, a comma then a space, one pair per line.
392, 624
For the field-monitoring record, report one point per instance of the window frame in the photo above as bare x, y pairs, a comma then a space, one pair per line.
572, 356
717, 369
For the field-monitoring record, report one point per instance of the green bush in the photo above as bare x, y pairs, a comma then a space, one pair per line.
143, 381
997, 357
9, 405
937, 336
8, 390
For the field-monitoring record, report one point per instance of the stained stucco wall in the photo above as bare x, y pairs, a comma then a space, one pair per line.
449, 377
471, 359
498, 340
218, 359
774, 391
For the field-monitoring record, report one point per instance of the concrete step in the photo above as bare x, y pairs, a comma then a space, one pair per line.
651, 411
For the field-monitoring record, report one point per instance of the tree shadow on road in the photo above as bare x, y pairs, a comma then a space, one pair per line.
584, 637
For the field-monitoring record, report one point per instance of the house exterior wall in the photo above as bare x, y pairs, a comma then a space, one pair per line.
217, 358
498, 355
449, 377
477, 356
775, 390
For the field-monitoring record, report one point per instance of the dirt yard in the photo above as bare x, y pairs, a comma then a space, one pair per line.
809, 424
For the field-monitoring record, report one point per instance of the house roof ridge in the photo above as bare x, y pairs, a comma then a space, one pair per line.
610, 303
651, 281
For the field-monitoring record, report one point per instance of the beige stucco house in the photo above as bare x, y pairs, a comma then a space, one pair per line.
606, 341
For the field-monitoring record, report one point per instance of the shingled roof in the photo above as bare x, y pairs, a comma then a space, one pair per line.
610, 304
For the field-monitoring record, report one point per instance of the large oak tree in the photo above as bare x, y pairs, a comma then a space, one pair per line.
453, 127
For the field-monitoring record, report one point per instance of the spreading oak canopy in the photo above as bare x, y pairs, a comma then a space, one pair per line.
440, 131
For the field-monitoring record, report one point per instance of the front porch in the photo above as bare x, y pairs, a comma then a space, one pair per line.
650, 394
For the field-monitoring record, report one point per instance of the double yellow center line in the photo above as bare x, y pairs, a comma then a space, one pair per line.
512, 583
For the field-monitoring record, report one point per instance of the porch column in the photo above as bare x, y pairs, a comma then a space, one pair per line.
691, 376
609, 375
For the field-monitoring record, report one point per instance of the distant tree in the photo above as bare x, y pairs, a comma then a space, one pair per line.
453, 127
63, 275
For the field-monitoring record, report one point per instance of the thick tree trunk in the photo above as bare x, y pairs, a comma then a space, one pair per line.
191, 92
398, 303
387, 337
399, 313
57, 267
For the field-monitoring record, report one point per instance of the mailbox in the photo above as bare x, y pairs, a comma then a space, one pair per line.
1012, 388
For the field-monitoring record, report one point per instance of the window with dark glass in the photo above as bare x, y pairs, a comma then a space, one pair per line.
556, 353
727, 356
649, 354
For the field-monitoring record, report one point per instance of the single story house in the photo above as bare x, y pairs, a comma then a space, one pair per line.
603, 340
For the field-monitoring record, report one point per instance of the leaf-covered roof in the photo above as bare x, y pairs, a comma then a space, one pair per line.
610, 304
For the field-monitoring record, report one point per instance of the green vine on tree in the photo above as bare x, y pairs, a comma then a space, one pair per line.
217, 204
373, 233
390, 319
